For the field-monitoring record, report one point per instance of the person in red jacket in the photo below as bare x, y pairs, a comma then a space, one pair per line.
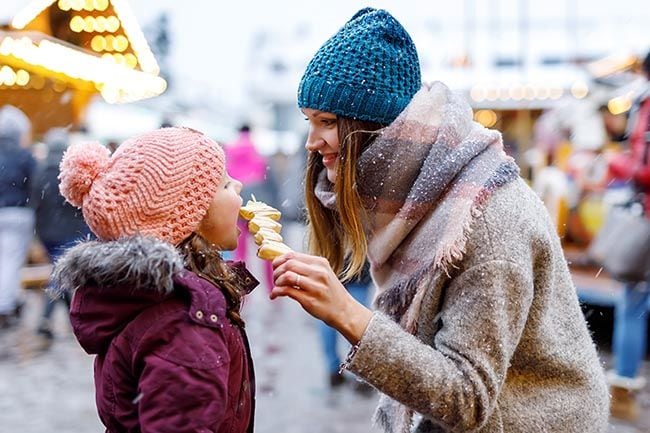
634, 165
630, 321
152, 298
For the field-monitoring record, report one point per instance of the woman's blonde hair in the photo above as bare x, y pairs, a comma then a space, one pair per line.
338, 235
205, 260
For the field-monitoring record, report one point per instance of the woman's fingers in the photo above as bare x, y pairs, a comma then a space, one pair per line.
316, 269
311, 281
305, 258
289, 291
298, 267
297, 280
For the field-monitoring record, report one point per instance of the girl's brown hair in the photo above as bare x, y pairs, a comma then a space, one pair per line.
204, 259
338, 235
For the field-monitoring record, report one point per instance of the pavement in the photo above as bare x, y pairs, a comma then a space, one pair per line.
48, 388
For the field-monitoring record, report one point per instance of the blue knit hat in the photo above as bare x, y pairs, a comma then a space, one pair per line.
369, 70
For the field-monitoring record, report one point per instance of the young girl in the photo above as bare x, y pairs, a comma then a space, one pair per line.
478, 325
152, 298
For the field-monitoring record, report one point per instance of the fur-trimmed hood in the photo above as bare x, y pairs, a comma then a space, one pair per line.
168, 358
115, 281
141, 263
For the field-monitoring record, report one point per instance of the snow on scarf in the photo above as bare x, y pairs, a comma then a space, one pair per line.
422, 182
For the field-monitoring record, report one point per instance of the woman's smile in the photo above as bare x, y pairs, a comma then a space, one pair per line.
329, 160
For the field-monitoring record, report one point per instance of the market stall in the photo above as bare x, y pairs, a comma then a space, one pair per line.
55, 56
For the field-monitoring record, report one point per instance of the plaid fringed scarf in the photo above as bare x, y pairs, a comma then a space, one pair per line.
423, 181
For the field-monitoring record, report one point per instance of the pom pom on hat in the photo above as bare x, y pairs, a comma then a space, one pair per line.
80, 166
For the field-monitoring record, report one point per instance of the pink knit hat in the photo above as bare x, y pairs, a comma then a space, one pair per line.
158, 184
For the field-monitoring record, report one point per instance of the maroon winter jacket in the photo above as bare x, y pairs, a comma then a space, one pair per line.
168, 359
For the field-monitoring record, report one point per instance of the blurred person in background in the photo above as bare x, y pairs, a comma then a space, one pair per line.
16, 218
359, 288
58, 224
112, 146
245, 163
634, 165
630, 335
291, 193
478, 326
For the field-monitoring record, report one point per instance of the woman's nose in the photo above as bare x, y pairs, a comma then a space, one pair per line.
314, 143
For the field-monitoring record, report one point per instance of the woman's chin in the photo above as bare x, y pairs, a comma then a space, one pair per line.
331, 175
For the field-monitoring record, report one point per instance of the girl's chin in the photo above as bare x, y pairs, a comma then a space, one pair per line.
232, 245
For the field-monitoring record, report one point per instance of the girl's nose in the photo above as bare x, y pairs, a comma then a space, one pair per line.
238, 185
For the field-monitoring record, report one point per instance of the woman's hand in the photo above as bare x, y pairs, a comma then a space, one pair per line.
311, 281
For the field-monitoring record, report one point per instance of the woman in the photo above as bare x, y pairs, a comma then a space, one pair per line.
478, 325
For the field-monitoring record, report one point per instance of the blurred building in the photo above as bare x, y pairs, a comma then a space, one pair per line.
55, 56
512, 60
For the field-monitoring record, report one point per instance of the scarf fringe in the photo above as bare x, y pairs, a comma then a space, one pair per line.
446, 258
392, 416
406, 419
395, 301
382, 419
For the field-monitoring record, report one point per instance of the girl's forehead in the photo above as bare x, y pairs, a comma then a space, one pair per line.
225, 178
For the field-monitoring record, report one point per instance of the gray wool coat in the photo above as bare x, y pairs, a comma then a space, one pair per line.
501, 346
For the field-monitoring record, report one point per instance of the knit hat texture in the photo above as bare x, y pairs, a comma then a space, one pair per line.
369, 70
156, 184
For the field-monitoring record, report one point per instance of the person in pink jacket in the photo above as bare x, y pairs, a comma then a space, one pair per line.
245, 163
